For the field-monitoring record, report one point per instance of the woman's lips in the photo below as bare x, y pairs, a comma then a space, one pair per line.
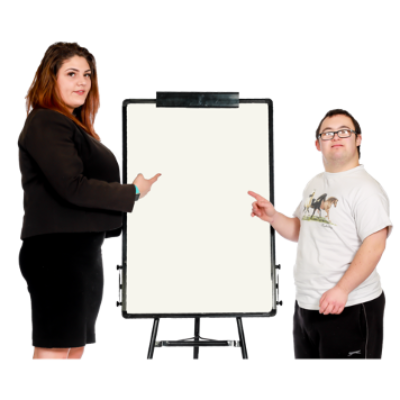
80, 92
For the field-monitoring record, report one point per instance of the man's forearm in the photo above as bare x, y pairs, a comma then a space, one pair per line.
365, 261
287, 227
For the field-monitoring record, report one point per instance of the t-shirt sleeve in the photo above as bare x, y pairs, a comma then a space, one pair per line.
371, 212
297, 212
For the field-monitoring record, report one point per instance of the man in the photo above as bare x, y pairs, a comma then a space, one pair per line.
341, 226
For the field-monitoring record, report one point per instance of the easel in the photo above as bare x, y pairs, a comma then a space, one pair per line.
198, 100
197, 341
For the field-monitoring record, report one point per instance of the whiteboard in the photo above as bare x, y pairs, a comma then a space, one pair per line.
190, 247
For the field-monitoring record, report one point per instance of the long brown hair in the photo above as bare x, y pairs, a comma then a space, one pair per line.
43, 93
336, 111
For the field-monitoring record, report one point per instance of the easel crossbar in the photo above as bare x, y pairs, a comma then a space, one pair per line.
197, 343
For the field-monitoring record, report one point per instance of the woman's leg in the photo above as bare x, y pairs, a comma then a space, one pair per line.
42, 353
76, 353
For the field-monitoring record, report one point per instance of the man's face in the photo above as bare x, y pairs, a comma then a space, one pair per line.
73, 82
338, 149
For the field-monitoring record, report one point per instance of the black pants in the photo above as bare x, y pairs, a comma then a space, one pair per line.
64, 273
355, 333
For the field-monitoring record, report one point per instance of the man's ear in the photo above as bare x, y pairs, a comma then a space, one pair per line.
358, 139
316, 146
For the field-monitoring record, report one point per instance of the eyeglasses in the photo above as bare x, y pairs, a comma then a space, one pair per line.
342, 133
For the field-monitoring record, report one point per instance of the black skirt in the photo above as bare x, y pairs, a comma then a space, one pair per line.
64, 273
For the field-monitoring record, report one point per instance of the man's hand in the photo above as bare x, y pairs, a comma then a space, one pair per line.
262, 208
333, 301
144, 185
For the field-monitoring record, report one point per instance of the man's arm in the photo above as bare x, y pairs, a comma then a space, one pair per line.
366, 259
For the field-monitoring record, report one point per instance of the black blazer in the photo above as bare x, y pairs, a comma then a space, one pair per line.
71, 181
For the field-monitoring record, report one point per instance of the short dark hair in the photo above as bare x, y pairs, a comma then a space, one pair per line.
339, 111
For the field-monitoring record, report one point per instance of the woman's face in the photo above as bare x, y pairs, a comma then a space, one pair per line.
73, 82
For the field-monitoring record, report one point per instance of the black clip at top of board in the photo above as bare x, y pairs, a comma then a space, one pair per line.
198, 99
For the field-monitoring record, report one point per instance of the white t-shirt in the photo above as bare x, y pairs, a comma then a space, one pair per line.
338, 211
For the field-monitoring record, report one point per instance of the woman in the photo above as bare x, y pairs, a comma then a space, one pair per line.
73, 199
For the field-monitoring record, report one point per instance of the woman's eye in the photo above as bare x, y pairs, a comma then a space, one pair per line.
74, 74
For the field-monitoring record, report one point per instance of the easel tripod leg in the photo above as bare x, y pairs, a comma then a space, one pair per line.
153, 336
196, 335
243, 347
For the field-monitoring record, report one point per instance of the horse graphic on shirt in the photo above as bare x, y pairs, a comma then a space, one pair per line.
322, 203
